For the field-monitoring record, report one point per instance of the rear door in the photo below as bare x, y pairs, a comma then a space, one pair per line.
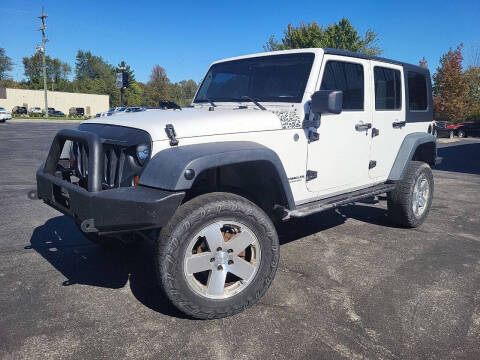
388, 117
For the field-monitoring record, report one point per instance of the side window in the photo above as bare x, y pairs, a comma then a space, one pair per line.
388, 88
417, 91
348, 77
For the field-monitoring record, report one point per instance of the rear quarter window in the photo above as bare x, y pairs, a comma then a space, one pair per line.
417, 91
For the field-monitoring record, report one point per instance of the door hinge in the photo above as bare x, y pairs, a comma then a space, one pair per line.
375, 132
372, 164
311, 175
313, 136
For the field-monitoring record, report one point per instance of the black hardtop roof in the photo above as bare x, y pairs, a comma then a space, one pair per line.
371, 57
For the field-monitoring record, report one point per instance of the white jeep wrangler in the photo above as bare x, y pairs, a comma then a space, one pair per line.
268, 137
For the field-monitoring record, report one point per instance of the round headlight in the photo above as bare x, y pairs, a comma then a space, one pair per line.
143, 152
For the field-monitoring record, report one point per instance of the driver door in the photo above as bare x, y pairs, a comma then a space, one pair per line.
340, 157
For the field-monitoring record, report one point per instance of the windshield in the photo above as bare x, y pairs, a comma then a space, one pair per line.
273, 78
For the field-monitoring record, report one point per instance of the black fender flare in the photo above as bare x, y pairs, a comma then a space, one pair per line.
166, 169
407, 150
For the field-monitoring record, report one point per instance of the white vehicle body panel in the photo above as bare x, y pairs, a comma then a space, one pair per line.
341, 156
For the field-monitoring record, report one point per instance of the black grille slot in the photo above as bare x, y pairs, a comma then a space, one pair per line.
114, 162
80, 164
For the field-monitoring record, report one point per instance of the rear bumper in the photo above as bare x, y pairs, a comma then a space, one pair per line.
115, 210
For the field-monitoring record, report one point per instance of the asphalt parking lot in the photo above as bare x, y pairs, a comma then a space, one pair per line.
349, 285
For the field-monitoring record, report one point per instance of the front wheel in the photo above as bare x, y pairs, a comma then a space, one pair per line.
217, 256
462, 134
409, 203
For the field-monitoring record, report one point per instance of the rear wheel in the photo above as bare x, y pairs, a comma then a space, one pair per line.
217, 256
462, 134
409, 203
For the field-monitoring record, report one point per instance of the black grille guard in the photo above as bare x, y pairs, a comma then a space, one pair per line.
95, 148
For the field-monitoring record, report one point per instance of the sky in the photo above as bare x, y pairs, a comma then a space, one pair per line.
184, 37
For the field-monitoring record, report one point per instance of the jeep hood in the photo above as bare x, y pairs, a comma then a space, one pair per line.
191, 122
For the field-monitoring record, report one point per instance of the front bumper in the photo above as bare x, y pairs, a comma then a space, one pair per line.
102, 211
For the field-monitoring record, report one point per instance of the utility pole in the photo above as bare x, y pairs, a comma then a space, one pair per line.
122, 89
44, 65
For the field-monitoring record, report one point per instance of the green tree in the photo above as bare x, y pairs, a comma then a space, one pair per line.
6, 64
57, 71
88, 66
423, 63
182, 92
341, 35
450, 88
94, 75
158, 86
472, 80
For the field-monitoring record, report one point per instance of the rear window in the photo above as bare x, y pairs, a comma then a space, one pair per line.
388, 85
417, 91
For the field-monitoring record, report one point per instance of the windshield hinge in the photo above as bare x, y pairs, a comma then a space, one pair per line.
311, 175
170, 131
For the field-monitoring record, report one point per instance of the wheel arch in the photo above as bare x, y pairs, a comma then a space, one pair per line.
416, 146
256, 167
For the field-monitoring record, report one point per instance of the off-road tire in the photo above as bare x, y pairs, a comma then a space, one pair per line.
399, 200
172, 244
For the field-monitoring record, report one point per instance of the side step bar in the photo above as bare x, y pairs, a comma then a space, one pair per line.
334, 201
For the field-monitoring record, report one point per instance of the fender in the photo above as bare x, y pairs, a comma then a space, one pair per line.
166, 170
408, 149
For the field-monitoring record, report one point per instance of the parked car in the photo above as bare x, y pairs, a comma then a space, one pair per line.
269, 137
76, 111
4, 114
35, 110
116, 110
469, 128
441, 130
55, 113
134, 109
20, 110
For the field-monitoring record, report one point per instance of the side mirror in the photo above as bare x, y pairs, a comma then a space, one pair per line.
327, 102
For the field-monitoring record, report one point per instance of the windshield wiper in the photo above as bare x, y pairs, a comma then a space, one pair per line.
255, 101
211, 102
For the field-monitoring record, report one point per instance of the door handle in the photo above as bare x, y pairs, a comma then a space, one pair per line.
398, 124
363, 127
